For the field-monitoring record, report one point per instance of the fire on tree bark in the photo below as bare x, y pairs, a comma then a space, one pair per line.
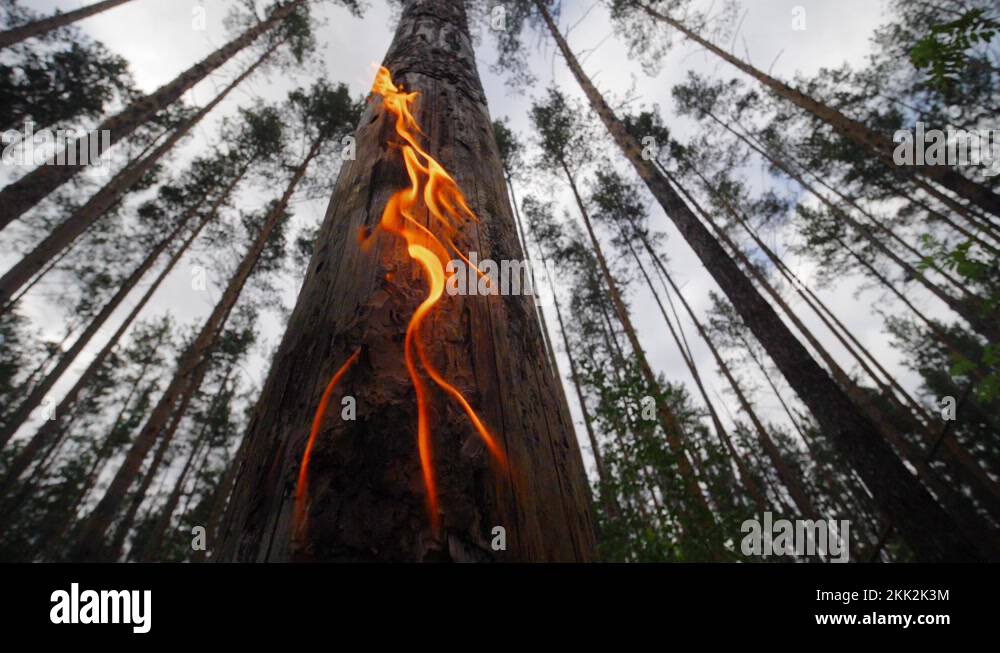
366, 499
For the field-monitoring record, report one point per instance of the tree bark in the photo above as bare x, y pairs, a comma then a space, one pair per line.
20, 196
367, 501
928, 529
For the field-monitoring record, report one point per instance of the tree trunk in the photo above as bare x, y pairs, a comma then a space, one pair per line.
928, 529
523, 239
81, 220
852, 130
191, 369
367, 501
220, 497
38, 392
23, 194
113, 553
609, 500
948, 497
59, 19
41, 389
745, 404
154, 538
668, 421
972, 309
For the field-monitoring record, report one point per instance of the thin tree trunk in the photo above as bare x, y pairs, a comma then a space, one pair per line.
50, 429
726, 372
720, 430
220, 497
83, 218
367, 472
38, 392
971, 309
190, 372
977, 477
852, 130
120, 534
953, 501
668, 421
609, 501
929, 530
59, 19
154, 538
20, 196
531, 265
35, 280
42, 388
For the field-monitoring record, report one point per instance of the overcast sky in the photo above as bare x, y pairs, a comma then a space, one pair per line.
158, 38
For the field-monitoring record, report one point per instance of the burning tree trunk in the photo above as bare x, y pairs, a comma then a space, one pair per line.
44, 25
372, 490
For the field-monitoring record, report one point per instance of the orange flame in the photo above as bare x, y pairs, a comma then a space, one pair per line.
431, 187
302, 487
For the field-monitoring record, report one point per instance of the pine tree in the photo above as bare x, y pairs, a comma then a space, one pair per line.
361, 496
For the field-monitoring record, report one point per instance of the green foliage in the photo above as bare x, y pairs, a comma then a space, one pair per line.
943, 51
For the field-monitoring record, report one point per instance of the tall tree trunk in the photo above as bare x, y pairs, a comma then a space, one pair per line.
720, 429
23, 194
745, 404
153, 539
59, 19
367, 501
608, 499
83, 218
120, 533
976, 476
220, 497
972, 308
956, 503
928, 529
38, 392
852, 130
668, 421
191, 368
523, 239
